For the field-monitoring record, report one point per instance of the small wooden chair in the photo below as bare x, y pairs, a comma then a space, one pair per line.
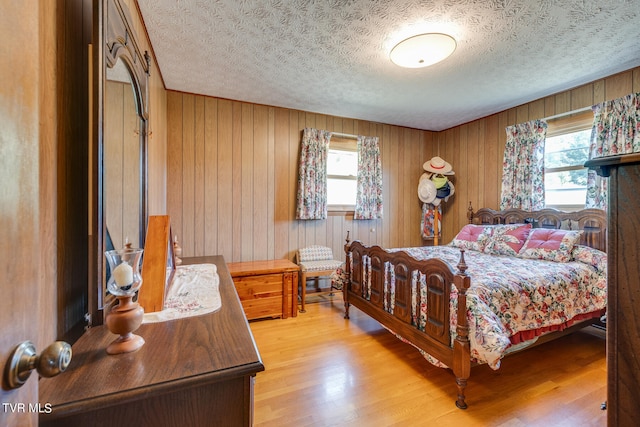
315, 261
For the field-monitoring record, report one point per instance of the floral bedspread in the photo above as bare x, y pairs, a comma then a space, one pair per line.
509, 295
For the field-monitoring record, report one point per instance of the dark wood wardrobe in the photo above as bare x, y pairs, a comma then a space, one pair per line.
623, 310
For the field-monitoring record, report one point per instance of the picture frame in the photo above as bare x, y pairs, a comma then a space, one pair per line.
158, 264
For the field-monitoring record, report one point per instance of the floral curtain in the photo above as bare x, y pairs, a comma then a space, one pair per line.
312, 175
369, 196
523, 166
616, 130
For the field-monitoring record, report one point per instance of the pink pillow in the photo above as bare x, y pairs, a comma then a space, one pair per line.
550, 244
507, 239
472, 237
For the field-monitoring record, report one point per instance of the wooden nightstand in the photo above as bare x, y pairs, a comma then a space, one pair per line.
266, 288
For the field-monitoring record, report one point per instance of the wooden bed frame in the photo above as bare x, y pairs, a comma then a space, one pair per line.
435, 339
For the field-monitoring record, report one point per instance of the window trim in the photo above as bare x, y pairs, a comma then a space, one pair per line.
561, 126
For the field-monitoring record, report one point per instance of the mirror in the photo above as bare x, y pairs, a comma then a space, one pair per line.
122, 161
121, 164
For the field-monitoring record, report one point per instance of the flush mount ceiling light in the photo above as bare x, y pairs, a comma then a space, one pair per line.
422, 50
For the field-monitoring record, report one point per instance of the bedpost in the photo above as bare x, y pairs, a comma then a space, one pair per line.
347, 274
461, 346
470, 213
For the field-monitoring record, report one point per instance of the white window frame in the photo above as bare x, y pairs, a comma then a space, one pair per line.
338, 143
561, 126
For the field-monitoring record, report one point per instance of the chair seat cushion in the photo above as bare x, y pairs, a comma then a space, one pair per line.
327, 264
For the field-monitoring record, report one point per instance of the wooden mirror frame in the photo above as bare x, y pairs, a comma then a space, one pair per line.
116, 41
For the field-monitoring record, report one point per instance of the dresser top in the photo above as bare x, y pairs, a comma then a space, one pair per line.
177, 353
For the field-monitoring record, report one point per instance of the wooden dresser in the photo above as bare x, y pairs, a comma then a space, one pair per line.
267, 288
623, 310
195, 371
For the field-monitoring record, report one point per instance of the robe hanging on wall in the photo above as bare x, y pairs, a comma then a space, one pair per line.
427, 224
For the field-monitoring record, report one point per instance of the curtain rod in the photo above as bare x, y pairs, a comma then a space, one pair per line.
344, 135
568, 113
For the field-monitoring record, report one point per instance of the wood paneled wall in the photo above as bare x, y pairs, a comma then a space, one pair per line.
232, 172
476, 149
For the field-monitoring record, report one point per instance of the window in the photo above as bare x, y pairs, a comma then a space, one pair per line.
342, 174
566, 150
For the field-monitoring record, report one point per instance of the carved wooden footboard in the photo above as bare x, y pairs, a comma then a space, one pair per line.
366, 289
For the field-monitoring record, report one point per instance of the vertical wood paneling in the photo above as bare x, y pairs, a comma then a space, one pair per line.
522, 114
536, 108
270, 207
457, 219
261, 180
484, 175
380, 228
549, 106
237, 171
475, 183
225, 184
394, 215
250, 171
233, 170
619, 85
174, 162
210, 230
581, 97
199, 176
598, 92
188, 174
417, 149
295, 134
387, 193
244, 190
405, 183
282, 183
452, 154
562, 102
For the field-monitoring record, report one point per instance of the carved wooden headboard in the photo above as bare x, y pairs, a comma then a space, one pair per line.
592, 221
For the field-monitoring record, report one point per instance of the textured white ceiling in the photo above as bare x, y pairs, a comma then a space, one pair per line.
332, 56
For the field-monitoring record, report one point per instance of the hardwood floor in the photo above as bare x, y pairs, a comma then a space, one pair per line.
323, 370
